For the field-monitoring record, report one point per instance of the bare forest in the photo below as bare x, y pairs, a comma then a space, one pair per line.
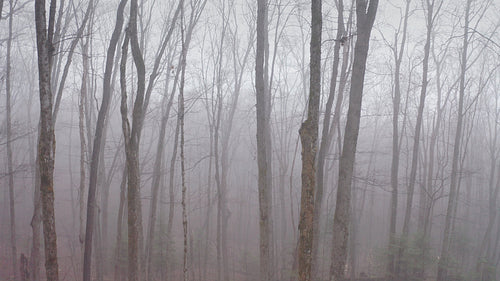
245, 140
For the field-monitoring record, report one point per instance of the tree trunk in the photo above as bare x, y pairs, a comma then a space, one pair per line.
400, 266
46, 143
365, 17
263, 153
308, 137
183, 169
10, 165
443, 264
398, 57
81, 125
132, 140
119, 226
171, 210
325, 140
96, 151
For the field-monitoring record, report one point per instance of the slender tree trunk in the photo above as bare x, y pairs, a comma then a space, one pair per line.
263, 153
155, 185
443, 264
183, 169
401, 269
398, 57
96, 151
325, 140
10, 165
169, 263
365, 17
81, 125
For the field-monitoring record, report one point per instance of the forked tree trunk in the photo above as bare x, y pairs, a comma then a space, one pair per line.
365, 17
132, 140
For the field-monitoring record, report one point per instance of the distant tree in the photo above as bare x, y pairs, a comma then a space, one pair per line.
326, 134
95, 160
10, 164
445, 258
430, 11
398, 51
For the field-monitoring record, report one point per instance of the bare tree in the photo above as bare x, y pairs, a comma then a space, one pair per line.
365, 13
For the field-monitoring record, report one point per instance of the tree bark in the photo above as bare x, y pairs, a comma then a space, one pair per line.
263, 153
308, 137
46, 143
183, 169
365, 18
132, 140
81, 125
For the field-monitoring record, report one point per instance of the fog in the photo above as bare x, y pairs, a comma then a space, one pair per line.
197, 171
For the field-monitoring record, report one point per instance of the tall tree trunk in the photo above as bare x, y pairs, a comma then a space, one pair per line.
308, 137
46, 143
183, 169
400, 266
325, 140
10, 165
263, 153
398, 57
365, 17
96, 150
444, 261
132, 152
81, 125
